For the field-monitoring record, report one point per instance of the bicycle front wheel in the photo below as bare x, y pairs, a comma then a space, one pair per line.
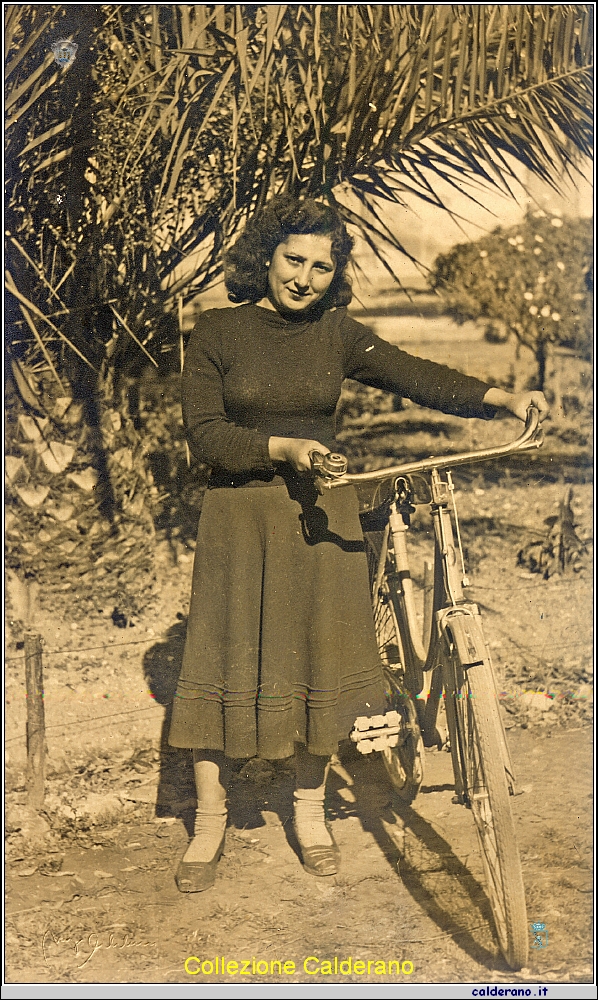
404, 763
481, 781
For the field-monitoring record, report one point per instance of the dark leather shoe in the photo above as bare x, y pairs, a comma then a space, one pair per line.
195, 876
320, 860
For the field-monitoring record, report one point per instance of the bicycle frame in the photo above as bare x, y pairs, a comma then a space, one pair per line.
457, 622
455, 661
453, 618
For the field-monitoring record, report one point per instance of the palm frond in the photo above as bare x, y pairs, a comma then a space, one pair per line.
194, 115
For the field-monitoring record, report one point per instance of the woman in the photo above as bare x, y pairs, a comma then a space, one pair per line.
281, 653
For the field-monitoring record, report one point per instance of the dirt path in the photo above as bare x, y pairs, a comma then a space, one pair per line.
410, 887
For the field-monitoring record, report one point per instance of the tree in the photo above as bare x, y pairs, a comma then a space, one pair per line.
130, 168
532, 280
175, 122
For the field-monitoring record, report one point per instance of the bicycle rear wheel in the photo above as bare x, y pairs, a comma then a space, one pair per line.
481, 781
404, 763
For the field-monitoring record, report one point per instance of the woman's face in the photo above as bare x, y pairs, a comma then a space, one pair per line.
300, 272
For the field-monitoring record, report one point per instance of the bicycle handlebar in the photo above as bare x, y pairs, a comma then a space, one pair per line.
532, 437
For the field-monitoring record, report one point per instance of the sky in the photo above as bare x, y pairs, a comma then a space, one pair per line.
427, 231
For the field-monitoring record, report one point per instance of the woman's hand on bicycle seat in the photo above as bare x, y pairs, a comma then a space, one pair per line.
518, 403
296, 451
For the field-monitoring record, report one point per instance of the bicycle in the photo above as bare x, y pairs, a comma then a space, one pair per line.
447, 663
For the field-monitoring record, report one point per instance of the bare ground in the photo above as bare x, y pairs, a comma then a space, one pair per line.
410, 888
91, 896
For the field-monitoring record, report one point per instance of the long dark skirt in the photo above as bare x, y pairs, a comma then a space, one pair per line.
280, 641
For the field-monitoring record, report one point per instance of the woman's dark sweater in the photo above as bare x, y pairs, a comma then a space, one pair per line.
251, 374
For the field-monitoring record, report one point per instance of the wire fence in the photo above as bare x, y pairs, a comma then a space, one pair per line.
168, 635
88, 649
514, 590
81, 722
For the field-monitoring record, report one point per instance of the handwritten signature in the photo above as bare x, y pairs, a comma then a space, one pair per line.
82, 949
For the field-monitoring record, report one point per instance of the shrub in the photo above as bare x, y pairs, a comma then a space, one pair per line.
533, 280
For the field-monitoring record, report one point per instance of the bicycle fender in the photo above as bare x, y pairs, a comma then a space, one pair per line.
466, 634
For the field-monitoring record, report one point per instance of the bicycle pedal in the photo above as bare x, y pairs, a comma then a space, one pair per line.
376, 732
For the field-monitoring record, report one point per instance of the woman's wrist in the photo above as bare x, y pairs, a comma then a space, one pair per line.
298, 452
277, 449
518, 403
498, 398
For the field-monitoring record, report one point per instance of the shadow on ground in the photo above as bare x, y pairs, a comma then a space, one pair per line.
435, 877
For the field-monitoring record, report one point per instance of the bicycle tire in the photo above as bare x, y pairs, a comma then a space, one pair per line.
388, 637
479, 765
404, 763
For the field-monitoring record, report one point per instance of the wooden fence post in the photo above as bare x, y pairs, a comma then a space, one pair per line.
36, 725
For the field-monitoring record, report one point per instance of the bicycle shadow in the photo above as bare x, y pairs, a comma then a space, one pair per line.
435, 877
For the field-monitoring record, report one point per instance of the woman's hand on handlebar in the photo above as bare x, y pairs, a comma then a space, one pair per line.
518, 403
296, 451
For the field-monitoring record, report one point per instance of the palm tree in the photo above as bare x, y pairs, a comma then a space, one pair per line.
175, 122
129, 170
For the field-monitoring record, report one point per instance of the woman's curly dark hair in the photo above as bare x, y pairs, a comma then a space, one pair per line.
245, 264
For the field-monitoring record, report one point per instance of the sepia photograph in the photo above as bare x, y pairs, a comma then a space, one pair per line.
299, 498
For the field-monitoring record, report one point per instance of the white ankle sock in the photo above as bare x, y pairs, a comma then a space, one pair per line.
310, 818
210, 824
